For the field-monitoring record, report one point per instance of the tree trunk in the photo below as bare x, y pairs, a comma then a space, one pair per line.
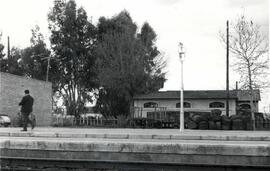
252, 109
251, 99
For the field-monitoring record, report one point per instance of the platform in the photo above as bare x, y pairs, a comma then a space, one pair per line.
196, 148
122, 133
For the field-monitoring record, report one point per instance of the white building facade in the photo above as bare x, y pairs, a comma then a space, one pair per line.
199, 101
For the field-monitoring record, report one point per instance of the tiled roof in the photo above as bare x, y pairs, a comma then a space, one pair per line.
200, 94
243, 95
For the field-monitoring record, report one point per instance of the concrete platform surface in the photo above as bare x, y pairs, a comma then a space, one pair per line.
148, 146
122, 133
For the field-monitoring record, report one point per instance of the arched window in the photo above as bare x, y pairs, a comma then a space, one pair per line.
186, 105
244, 106
216, 105
150, 105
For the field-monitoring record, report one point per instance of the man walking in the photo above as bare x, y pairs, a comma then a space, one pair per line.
26, 108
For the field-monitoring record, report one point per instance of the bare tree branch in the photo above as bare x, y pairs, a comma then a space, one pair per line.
251, 58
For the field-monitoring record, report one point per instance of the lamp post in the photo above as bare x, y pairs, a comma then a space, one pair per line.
181, 56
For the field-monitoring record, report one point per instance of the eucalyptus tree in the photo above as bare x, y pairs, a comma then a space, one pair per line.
72, 40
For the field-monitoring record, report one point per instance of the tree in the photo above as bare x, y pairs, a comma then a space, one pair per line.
72, 40
153, 60
128, 62
11, 62
35, 57
1, 48
2, 55
250, 50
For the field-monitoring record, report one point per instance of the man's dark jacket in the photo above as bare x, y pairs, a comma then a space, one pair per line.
27, 104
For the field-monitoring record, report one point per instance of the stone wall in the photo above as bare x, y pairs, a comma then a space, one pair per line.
12, 90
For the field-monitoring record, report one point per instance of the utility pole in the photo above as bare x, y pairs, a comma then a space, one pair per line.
48, 67
8, 53
9, 63
227, 71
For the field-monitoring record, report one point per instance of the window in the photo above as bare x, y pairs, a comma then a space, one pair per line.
245, 106
186, 105
216, 105
150, 105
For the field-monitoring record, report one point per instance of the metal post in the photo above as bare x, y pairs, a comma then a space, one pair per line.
182, 100
181, 56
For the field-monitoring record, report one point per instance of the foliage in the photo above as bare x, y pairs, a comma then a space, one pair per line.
128, 62
2, 55
116, 58
14, 66
72, 39
34, 58
30, 61
1, 48
10, 64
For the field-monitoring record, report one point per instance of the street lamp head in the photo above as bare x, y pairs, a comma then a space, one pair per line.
181, 51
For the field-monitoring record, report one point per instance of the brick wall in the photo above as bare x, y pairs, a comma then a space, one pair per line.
12, 90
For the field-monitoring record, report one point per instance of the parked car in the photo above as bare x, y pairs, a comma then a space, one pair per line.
4, 120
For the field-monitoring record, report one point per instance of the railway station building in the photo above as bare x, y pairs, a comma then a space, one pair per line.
194, 100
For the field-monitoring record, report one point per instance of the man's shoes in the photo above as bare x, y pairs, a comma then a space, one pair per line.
24, 130
33, 126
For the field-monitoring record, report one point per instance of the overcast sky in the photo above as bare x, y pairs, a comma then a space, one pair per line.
195, 23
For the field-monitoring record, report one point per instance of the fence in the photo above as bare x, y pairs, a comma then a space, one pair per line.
124, 122
65, 120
